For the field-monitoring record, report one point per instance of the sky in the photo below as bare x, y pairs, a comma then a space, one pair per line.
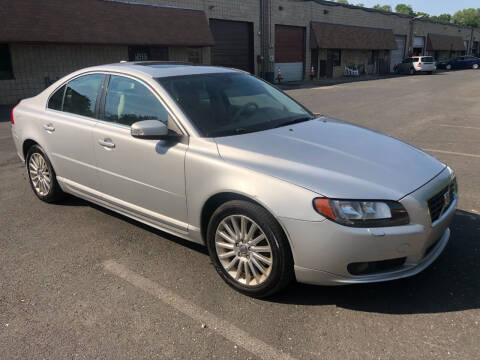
433, 7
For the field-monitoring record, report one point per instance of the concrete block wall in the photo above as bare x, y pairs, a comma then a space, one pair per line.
33, 63
423, 28
179, 53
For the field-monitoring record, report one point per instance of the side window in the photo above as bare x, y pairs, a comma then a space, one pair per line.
81, 95
56, 100
129, 101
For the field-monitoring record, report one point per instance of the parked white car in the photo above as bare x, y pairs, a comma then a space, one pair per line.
416, 64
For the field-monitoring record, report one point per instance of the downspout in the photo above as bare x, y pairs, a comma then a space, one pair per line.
262, 38
471, 42
410, 48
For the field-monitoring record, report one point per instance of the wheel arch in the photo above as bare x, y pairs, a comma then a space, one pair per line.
26, 145
216, 200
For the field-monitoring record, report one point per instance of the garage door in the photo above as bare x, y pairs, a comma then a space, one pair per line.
289, 51
233, 44
418, 45
398, 54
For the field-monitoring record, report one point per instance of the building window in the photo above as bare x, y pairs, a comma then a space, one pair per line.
337, 57
6, 71
195, 55
146, 53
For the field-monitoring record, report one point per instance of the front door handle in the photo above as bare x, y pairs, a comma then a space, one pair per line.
49, 127
108, 143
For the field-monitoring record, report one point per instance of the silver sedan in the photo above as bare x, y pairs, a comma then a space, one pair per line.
221, 158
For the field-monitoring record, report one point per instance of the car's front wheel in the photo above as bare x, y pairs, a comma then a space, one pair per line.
449, 67
42, 176
475, 66
249, 249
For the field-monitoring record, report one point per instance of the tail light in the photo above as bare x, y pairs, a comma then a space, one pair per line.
419, 64
12, 119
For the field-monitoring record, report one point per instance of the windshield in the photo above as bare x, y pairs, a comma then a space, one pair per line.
223, 104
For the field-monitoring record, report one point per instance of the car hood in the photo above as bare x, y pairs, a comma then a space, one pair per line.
334, 158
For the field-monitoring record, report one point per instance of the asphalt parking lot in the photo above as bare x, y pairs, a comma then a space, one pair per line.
80, 282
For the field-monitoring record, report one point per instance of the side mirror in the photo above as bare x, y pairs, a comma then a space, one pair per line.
151, 129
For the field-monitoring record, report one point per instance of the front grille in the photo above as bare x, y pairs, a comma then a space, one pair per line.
440, 202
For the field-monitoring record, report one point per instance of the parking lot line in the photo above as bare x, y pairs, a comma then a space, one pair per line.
213, 322
459, 126
452, 153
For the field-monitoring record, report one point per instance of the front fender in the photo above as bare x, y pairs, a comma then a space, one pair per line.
207, 174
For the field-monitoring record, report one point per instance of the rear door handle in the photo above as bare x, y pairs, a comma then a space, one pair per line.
108, 143
49, 127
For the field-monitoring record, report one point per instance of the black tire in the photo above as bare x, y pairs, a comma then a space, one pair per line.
412, 71
281, 274
475, 66
55, 193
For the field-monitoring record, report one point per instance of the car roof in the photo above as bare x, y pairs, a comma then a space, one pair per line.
157, 69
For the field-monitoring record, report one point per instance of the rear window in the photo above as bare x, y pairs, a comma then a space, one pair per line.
428, 59
415, 59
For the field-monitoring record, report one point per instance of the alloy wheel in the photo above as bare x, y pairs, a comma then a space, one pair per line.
39, 174
243, 250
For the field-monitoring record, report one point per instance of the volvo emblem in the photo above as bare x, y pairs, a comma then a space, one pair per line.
446, 201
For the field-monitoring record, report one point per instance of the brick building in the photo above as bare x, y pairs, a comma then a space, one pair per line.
41, 41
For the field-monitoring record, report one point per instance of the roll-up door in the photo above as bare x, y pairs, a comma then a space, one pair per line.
233, 44
418, 45
397, 55
289, 51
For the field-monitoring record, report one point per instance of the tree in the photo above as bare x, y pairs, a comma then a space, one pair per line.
467, 17
422, 14
383, 7
342, 1
404, 9
360, 4
446, 18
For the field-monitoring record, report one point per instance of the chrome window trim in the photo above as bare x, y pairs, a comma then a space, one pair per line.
157, 96
65, 83
155, 93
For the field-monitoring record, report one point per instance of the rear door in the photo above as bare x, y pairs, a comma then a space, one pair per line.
144, 178
71, 118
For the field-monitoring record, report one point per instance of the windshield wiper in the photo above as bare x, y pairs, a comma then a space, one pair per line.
295, 121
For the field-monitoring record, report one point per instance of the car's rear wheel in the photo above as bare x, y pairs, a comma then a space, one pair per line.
449, 67
412, 71
475, 66
42, 176
249, 249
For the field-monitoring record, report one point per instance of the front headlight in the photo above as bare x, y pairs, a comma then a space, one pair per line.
362, 213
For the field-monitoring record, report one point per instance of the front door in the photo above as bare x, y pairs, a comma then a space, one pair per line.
329, 70
144, 178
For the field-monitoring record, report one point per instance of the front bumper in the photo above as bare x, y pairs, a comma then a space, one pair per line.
323, 250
